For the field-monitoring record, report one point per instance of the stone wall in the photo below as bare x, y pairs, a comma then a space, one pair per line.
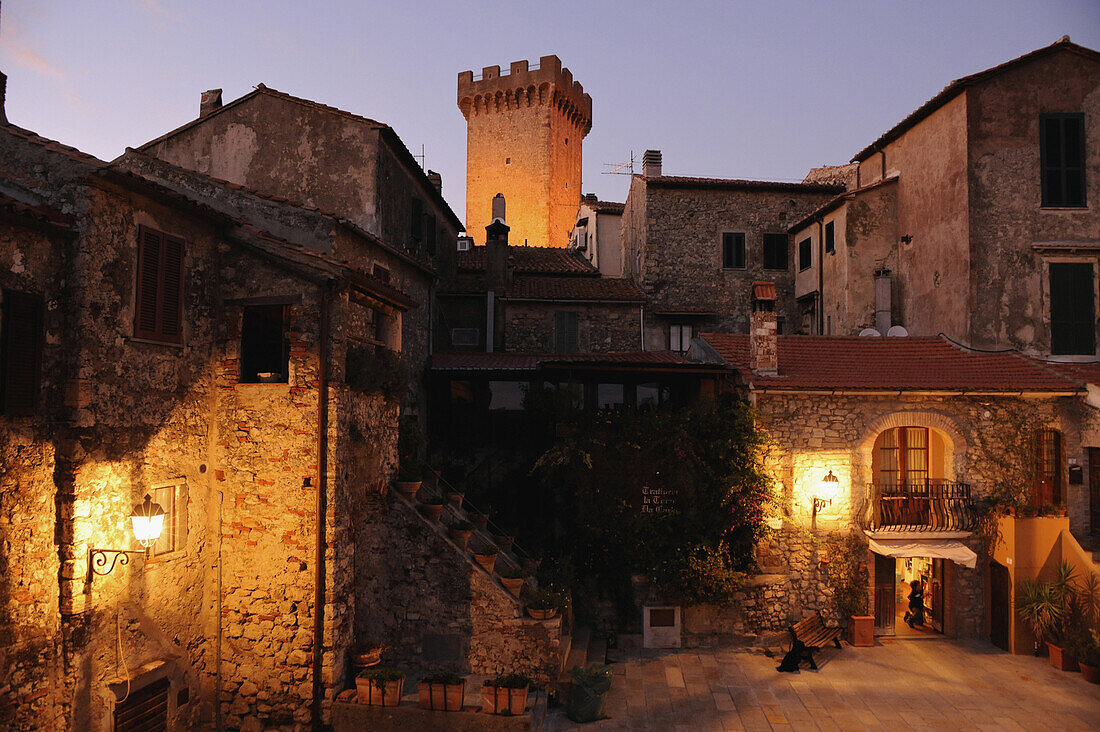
601, 328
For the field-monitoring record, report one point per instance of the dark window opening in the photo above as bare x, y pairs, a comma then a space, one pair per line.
1072, 309
566, 331
144, 710
775, 251
158, 306
805, 255
830, 238
265, 354
733, 250
21, 319
381, 273
430, 233
416, 220
1062, 156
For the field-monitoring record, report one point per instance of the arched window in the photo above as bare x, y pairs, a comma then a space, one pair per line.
908, 456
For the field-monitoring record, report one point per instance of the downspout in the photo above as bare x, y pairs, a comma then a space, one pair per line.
321, 506
641, 325
821, 276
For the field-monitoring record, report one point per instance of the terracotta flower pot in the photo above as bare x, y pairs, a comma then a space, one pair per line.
460, 537
513, 584
487, 561
498, 700
455, 498
408, 487
1062, 659
387, 694
504, 542
479, 520
442, 697
861, 630
542, 614
1089, 673
432, 511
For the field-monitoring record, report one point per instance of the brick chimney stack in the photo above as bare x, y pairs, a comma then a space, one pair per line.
763, 331
210, 101
651, 164
436, 180
496, 256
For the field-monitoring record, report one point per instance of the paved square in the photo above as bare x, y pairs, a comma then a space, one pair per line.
898, 684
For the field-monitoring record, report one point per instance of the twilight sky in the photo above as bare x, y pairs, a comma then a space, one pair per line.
764, 89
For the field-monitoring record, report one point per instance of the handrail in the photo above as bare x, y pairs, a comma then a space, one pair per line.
930, 505
516, 549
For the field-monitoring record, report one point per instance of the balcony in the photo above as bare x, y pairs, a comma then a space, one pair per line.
935, 505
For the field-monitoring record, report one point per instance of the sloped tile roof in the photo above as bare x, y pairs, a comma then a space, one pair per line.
574, 288
957, 86
763, 290
1088, 373
888, 364
678, 181
53, 145
608, 207
39, 213
531, 260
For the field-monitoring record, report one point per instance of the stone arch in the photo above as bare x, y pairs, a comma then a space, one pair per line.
955, 447
544, 93
532, 95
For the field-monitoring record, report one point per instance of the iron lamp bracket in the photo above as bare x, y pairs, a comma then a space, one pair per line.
98, 559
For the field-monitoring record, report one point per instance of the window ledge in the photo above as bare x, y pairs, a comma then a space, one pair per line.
1064, 208
168, 344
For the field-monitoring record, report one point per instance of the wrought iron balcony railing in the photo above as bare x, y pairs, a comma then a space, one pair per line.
933, 505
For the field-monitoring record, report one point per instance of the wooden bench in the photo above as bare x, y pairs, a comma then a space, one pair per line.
812, 633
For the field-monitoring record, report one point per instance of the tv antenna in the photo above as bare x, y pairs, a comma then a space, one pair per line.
420, 157
620, 169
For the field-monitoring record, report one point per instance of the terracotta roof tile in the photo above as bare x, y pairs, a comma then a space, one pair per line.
574, 288
763, 290
478, 361
957, 86
53, 145
888, 364
608, 207
531, 260
676, 181
36, 212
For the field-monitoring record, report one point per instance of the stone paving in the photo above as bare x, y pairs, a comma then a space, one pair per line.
928, 684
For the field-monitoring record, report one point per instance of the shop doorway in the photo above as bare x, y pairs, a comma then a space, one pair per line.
893, 586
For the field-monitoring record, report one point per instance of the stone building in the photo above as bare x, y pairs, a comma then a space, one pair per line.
984, 183
916, 432
598, 235
349, 167
694, 246
524, 134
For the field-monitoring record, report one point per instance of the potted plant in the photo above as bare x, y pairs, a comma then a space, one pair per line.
380, 686
542, 603
506, 694
460, 532
505, 542
486, 556
408, 482
455, 496
368, 655
432, 508
1088, 656
513, 580
479, 520
1038, 607
847, 576
442, 692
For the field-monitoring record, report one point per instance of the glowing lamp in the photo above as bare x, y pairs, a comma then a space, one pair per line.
826, 491
148, 521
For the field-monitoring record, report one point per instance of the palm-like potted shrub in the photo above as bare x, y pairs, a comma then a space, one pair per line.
460, 532
542, 603
442, 692
1088, 656
505, 694
380, 686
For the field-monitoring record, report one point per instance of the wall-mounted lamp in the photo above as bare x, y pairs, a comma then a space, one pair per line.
826, 492
147, 520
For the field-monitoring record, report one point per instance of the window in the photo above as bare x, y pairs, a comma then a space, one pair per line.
463, 243
416, 220
775, 251
265, 354
733, 250
805, 256
830, 238
903, 456
143, 709
173, 499
381, 273
651, 395
1072, 309
507, 395
465, 337
1048, 468
21, 317
566, 335
1062, 158
158, 305
679, 337
609, 396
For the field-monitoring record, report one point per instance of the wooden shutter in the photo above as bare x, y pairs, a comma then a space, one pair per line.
144, 710
1072, 309
566, 335
20, 352
158, 305
416, 219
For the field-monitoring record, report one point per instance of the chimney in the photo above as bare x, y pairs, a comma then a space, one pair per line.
763, 331
496, 256
210, 100
651, 163
3, 97
882, 300
436, 180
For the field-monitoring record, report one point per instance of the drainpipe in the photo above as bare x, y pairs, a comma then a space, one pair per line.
321, 505
821, 276
641, 325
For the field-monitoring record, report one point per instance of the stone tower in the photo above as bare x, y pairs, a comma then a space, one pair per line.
524, 131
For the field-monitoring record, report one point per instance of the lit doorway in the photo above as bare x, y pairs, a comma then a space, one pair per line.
893, 587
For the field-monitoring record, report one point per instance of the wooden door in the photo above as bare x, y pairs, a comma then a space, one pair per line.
1000, 604
1094, 489
885, 579
936, 592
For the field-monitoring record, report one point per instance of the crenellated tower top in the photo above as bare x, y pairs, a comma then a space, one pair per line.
547, 84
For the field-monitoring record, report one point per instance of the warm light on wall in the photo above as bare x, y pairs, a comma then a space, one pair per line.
826, 492
147, 520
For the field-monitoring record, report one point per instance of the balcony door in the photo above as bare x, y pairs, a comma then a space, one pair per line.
903, 457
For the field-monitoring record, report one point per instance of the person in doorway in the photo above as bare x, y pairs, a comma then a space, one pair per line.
915, 616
